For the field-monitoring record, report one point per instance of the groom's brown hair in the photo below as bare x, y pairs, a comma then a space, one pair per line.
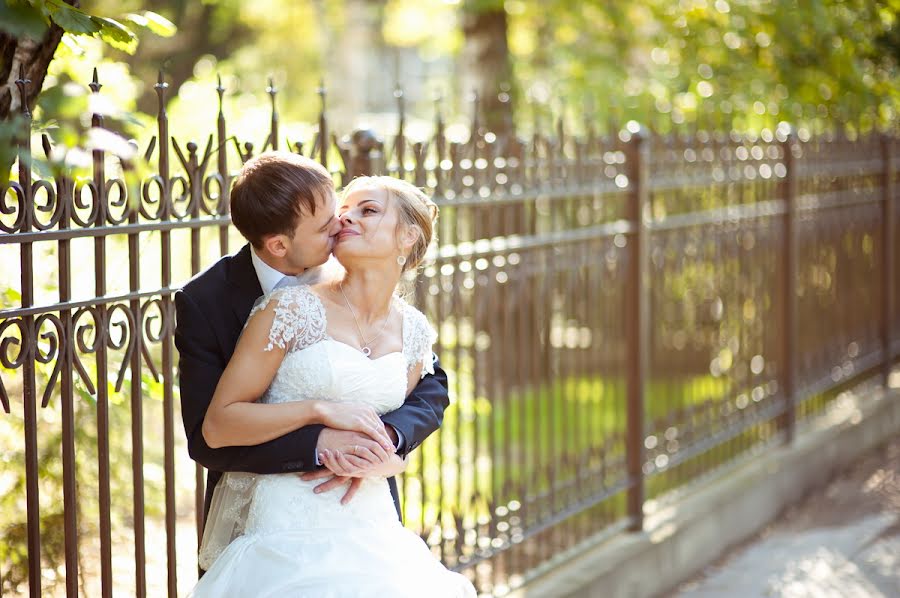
273, 191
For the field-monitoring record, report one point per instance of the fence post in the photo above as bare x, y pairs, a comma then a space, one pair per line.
29, 352
362, 144
636, 325
889, 257
787, 382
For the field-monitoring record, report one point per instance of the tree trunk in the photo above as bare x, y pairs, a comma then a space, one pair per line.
485, 61
32, 55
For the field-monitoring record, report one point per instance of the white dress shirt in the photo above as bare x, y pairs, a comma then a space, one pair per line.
269, 278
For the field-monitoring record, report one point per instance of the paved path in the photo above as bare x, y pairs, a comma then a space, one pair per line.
843, 541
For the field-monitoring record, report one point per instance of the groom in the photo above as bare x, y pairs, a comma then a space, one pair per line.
284, 205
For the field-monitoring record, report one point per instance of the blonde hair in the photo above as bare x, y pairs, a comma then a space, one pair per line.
415, 209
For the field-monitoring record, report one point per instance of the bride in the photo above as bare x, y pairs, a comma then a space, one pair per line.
337, 353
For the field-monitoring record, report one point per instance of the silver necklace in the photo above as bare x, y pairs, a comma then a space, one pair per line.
365, 349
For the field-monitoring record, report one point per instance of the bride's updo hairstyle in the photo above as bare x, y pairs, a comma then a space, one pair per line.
414, 209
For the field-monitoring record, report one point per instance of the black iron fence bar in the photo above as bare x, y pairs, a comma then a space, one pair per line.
712, 216
117, 229
99, 178
447, 252
772, 410
765, 209
888, 255
18, 237
65, 186
809, 201
29, 395
788, 315
636, 327
842, 168
673, 184
137, 411
546, 496
609, 532
501, 196
75, 305
866, 363
514, 243
167, 313
832, 200
548, 522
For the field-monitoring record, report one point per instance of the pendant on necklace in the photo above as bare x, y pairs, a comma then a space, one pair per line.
366, 351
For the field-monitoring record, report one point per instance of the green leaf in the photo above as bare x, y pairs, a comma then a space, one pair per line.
21, 20
113, 30
116, 35
74, 21
154, 22
12, 297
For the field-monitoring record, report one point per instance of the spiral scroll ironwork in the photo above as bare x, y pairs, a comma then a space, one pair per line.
7, 344
8, 210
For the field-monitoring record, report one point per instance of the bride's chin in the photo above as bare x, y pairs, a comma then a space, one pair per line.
344, 256
350, 259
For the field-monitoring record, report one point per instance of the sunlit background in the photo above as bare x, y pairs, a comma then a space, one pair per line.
558, 137
710, 64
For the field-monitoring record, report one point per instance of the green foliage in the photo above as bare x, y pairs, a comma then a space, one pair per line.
153, 22
19, 18
32, 17
716, 63
11, 131
70, 18
63, 103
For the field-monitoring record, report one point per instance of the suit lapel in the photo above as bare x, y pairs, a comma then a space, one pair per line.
244, 285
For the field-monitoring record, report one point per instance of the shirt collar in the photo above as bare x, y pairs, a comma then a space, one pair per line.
269, 276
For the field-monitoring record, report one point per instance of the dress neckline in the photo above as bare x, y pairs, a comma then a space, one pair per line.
395, 301
357, 351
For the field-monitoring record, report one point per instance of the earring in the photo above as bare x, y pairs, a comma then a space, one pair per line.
401, 260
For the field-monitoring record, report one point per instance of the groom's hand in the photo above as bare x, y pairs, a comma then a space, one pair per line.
331, 482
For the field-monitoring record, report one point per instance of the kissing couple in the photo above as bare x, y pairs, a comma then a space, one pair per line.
300, 378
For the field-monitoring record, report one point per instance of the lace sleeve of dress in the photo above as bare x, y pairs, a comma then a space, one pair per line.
299, 318
418, 337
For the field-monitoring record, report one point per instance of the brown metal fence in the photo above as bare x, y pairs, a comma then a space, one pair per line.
619, 314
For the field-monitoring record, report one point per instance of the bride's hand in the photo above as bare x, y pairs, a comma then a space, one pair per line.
356, 417
358, 466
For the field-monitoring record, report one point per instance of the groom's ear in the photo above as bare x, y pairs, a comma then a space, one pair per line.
275, 245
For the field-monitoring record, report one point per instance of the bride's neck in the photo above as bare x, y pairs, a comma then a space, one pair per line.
369, 292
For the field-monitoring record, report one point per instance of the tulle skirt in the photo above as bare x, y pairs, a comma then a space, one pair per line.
272, 535
383, 562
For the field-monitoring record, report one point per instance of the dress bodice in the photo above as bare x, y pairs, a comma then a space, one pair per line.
300, 322
330, 370
317, 366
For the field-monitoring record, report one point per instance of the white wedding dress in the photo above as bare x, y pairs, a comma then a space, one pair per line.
270, 535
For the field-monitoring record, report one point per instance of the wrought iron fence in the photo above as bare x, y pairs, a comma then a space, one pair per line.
620, 314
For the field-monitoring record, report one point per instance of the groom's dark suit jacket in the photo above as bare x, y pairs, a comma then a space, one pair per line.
211, 311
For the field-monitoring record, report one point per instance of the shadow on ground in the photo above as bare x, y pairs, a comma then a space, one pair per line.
843, 540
